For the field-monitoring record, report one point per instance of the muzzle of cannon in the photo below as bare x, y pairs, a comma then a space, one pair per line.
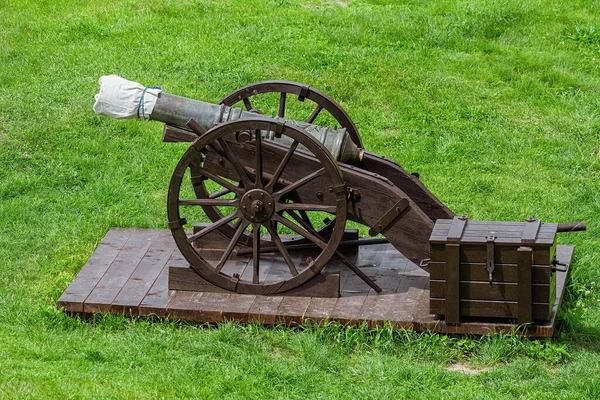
259, 177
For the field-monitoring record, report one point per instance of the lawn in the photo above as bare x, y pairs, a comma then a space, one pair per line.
495, 103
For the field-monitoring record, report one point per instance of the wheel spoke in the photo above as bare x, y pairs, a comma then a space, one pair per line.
298, 183
259, 163
219, 193
233, 160
255, 252
212, 227
208, 202
231, 246
282, 98
218, 180
305, 207
299, 230
284, 162
314, 114
284, 253
247, 104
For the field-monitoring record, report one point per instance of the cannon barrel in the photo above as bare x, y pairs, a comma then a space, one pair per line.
120, 98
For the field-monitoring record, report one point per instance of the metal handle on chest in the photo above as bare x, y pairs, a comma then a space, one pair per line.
489, 265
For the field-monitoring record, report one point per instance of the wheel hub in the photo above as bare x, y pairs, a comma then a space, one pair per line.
257, 205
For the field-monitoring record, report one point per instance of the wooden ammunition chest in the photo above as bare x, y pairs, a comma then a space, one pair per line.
519, 255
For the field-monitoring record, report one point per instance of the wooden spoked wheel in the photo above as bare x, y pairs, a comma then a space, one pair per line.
251, 97
256, 204
284, 95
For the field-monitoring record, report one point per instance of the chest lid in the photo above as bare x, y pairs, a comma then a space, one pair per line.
464, 231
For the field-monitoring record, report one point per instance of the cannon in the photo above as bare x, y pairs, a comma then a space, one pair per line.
277, 177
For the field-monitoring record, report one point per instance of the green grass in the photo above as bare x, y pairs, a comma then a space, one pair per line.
495, 103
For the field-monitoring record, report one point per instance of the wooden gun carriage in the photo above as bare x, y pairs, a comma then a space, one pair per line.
270, 184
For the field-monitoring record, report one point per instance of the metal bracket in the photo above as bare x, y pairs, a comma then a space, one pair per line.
177, 224
389, 217
304, 92
489, 265
278, 126
556, 264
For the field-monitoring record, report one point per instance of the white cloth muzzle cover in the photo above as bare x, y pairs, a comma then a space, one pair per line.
120, 98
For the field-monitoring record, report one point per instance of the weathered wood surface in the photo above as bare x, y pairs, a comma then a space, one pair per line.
128, 273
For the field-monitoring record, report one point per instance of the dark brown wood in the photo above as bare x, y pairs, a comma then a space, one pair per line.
452, 283
182, 277
264, 309
409, 233
119, 271
507, 273
490, 252
503, 255
375, 308
530, 231
258, 204
320, 309
237, 307
291, 310
405, 284
497, 291
492, 309
157, 299
146, 272
79, 289
303, 92
174, 134
456, 229
347, 309
198, 306
524, 315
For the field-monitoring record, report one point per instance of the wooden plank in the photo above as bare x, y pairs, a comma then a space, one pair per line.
320, 309
498, 291
101, 298
184, 278
322, 285
404, 307
88, 277
143, 277
264, 309
456, 229
174, 134
452, 283
347, 309
524, 314
198, 306
237, 307
292, 309
530, 231
183, 305
156, 300
492, 309
375, 308
503, 254
502, 272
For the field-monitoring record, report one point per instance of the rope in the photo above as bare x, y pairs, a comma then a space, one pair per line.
141, 103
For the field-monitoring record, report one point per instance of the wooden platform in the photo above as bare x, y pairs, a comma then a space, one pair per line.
128, 274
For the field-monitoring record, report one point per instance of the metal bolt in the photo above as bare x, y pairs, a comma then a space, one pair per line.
221, 160
320, 195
